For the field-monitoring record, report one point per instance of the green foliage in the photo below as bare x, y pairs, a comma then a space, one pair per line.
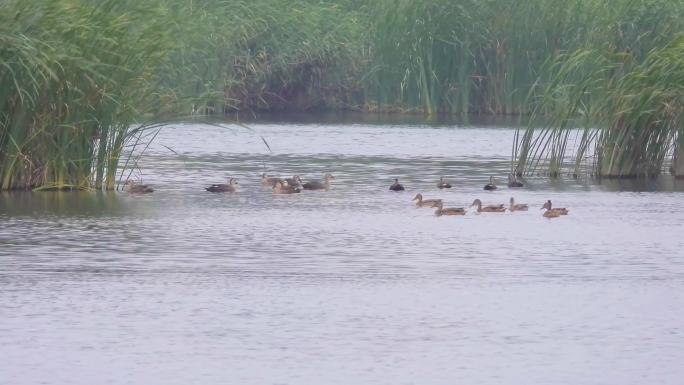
266, 54
632, 113
485, 56
79, 78
73, 79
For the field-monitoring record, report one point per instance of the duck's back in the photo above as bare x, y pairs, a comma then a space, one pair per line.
313, 186
220, 188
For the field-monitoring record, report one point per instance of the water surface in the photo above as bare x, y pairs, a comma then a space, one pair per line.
350, 286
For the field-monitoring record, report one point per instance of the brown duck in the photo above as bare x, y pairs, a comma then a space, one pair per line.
516, 207
231, 187
281, 187
559, 210
135, 188
269, 181
420, 202
488, 209
316, 185
449, 210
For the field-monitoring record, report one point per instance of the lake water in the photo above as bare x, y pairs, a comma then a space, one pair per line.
350, 286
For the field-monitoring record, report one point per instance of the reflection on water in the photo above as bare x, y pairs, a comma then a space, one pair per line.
353, 285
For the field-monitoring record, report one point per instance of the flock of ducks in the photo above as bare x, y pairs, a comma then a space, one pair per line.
278, 185
295, 185
438, 204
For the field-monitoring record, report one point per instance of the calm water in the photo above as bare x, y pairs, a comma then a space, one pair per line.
350, 286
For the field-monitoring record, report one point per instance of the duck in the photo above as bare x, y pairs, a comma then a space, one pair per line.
551, 214
420, 202
231, 187
316, 185
560, 210
516, 207
490, 186
442, 183
448, 211
396, 186
135, 188
281, 187
294, 181
269, 181
513, 182
488, 209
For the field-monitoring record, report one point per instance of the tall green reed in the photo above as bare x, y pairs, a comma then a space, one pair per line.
74, 79
626, 116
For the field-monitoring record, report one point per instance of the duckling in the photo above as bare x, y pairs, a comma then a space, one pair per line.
448, 211
516, 207
281, 187
490, 186
396, 186
269, 181
488, 209
559, 210
442, 183
425, 202
231, 187
316, 185
135, 188
513, 182
294, 181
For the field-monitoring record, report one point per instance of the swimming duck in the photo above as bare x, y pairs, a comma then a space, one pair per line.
396, 186
490, 186
316, 185
281, 187
269, 181
551, 214
513, 182
448, 211
516, 207
442, 183
559, 210
230, 187
294, 181
488, 209
420, 202
135, 188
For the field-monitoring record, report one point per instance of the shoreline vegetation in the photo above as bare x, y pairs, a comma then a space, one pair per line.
82, 81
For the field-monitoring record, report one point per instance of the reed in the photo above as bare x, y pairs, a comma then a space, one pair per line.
82, 79
268, 55
486, 57
74, 80
609, 112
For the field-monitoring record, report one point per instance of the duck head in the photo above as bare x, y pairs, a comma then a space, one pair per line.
476, 202
418, 197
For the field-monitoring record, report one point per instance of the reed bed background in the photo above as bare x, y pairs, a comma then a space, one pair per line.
82, 79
